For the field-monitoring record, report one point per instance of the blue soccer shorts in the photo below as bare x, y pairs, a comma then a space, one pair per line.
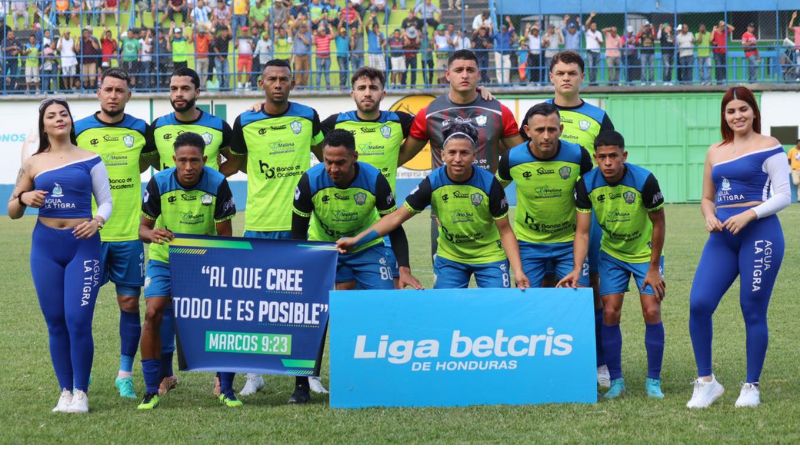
615, 275
123, 264
370, 268
557, 259
451, 274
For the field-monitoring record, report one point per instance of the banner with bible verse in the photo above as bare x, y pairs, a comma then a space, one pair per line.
251, 305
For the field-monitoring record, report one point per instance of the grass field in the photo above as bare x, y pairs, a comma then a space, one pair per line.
190, 415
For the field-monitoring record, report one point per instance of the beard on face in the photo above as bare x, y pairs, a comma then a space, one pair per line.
189, 105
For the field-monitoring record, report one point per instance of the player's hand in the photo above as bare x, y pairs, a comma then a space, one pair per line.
485, 93
407, 279
571, 280
345, 244
34, 199
85, 230
656, 281
256, 107
713, 224
521, 280
736, 223
160, 236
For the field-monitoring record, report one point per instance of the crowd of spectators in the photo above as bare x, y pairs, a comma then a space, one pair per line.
227, 42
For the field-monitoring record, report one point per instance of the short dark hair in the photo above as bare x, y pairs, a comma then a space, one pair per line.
187, 72
340, 138
567, 57
369, 72
462, 54
460, 127
191, 140
539, 109
278, 63
116, 73
609, 138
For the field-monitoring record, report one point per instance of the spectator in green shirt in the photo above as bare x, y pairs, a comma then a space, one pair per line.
259, 15
703, 41
130, 55
31, 52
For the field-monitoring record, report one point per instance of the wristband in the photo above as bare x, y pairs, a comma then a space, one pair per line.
371, 236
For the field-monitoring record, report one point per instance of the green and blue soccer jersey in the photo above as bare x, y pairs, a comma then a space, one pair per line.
467, 213
215, 132
335, 211
193, 210
622, 210
582, 123
377, 141
545, 191
278, 150
120, 145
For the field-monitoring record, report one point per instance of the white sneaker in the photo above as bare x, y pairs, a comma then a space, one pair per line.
79, 403
705, 393
254, 384
63, 401
603, 377
749, 397
316, 385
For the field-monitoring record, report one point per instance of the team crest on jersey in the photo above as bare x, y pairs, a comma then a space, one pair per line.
629, 197
360, 198
726, 186
386, 131
564, 172
207, 138
296, 127
481, 120
584, 125
206, 200
127, 140
57, 191
476, 199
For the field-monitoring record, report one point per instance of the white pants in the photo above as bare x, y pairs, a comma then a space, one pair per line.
376, 61
502, 67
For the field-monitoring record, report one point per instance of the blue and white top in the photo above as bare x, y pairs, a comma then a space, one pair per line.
749, 178
70, 188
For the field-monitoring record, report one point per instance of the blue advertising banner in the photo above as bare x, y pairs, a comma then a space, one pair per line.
458, 347
251, 305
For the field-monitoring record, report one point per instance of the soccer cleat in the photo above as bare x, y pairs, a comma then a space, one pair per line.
79, 403
705, 393
301, 395
316, 385
167, 384
63, 401
749, 397
653, 388
150, 401
253, 384
125, 387
603, 377
616, 390
230, 402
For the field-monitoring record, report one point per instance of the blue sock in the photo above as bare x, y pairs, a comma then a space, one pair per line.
654, 343
612, 347
226, 383
150, 370
130, 330
166, 365
598, 324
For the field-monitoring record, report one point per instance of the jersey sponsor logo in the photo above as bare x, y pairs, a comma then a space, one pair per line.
188, 197
326, 198
565, 172
192, 219
94, 142
207, 138
166, 136
543, 171
725, 195
762, 262
629, 197
339, 196
445, 197
360, 198
386, 131
462, 217
584, 125
128, 140
206, 200
58, 192
296, 127
601, 198
172, 199
476, 199
527, 174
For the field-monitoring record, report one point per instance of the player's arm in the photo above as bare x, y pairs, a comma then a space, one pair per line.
417, 138
653, 200
498, 207
707, 207
385, 204
511, 136
580, 247
151, 209
317, 137
227, 167
23, 194
238, 149
149, 156
224, 211
503, 175
302, 208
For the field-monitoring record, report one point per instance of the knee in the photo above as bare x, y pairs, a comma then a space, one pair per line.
699, 307
128, 303
153, 316
652, 314
611, 315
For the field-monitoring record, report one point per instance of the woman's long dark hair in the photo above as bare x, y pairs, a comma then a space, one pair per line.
44, 141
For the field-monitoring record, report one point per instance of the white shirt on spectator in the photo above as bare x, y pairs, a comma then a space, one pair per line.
685, 44
478, 21
534, 44
264, 50
67, 49
201, 15
593, 40
245, 46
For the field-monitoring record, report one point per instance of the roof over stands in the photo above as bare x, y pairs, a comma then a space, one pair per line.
560, 7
